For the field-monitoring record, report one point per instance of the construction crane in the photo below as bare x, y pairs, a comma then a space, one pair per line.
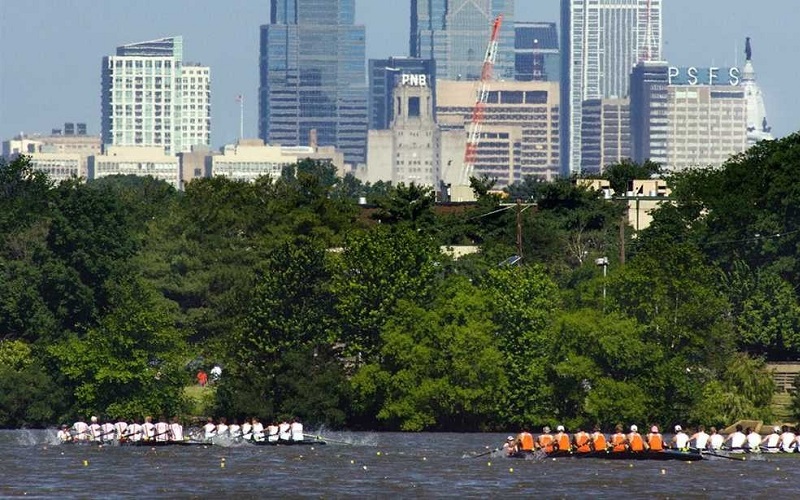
482, 96
647, 48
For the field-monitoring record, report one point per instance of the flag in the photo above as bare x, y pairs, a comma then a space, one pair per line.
239, 98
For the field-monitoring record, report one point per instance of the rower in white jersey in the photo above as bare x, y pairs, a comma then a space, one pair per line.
81, 431
247, 430
715, 440
134, 432
296, 429
107, 432
94, 430
148, 428
736, 440
210, 429
772, 443
680, 441
272, 432
161, 430
700, 438
753, 440
284, 431
63, 434
788, 440
235, 431
222, 427
175, 430
258, 430
120, 427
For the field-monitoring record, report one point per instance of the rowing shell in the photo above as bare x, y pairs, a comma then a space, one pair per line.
309, 442
684, 456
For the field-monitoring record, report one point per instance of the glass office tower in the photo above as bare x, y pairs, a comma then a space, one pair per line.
455, 33
312, 76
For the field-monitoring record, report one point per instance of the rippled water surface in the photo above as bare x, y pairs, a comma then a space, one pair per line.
368, 465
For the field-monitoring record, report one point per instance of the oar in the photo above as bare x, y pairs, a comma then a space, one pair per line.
485, 453
714, 454
322, 438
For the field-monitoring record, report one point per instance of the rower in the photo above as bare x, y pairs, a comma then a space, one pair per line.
772, 442
235, 431
297, 429
108, 432
680, 441
700, 438
95, 432
258, 430
80, 431
561, 439
525, 440
247, 430
599, 442
175, 430
135, 431
510, 446
753, 443
222, 427
120, 427
715, 440
284, 433
619, 441
148, 428
736, 440
210, 429
655, 442
581, 441
272, 432
63, 434
161, 430
545, 440
635, 441
788, 438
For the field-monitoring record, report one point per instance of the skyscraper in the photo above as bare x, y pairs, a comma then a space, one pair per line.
151, 98
384, 76
312, 77
758, 128
536, 55
455, 33
601, 41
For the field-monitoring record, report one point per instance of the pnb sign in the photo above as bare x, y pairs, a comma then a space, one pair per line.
412, 80
704, 76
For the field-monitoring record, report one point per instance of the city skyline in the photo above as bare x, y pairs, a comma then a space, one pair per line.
60, 65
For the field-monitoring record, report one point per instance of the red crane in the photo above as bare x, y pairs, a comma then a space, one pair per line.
471, 153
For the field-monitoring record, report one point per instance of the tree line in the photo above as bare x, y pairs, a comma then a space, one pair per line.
112, 290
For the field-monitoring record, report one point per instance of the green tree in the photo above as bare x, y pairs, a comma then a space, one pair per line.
28, 396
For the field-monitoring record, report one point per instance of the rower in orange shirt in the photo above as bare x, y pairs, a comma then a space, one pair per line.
598, 442
525, 440
635, 441
562, 439
545, 440
582, 441
619, 441
655, 442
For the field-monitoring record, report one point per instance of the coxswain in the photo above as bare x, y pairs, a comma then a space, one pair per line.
619, 441
297, 429
736, 440
222, 427
680, 441
700, 438
284, 431
258, 430
63, 434
80, 431
599, 442
119, 428
788, 439
510, 446
561, 439
545, 440
161, 430
581, 441
772, 443
272, 432
95, 432
247, 430
654, 440
235, 430
753, 442
635, 440
175, 430
210, 429
715, 439
525, 440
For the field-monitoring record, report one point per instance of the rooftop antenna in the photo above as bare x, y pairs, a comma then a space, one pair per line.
240, 100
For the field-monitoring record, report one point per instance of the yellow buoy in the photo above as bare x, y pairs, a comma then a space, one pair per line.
489, 464
379, 453
85, 463
510, 469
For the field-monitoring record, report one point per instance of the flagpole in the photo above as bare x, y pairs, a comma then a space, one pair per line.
241, 117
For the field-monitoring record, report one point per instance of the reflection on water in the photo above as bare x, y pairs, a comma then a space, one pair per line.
366, 464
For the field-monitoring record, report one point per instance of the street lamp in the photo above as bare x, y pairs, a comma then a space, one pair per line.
603, 261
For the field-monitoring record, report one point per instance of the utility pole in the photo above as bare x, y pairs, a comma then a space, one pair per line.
519, 228
622, 222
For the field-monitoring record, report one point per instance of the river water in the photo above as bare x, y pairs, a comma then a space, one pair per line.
367, 465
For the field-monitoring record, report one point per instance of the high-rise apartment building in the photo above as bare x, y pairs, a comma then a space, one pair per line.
605, 133
312, 79
385, 75
536, 54
601, 41
151, 99
455, 33
649, 97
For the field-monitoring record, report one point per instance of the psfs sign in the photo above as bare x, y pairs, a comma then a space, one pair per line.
704, 76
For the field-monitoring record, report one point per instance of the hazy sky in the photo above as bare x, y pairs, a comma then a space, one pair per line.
51, 50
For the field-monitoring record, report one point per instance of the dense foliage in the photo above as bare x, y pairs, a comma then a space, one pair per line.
113, 294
